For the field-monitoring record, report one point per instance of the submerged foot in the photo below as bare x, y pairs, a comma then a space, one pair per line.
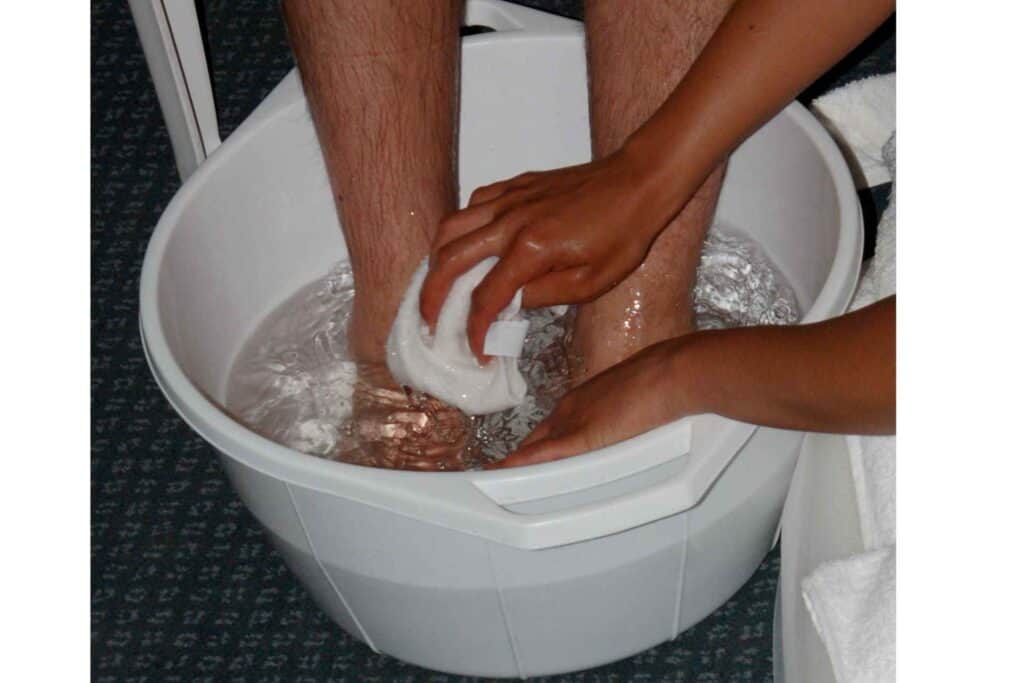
398, 429
393, 427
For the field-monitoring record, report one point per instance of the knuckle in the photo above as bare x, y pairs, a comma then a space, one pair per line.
446, 228
464, 222
529, 241
554, 220
577, 286
446, 256
479, 193
516, 214
454, 225
586, 292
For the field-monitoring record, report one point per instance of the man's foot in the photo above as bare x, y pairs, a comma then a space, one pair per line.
399, 429
393, 427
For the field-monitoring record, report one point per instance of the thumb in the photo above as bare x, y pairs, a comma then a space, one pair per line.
541, 431
544, 450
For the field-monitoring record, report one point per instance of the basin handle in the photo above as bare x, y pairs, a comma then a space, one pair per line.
699, 463
476, 502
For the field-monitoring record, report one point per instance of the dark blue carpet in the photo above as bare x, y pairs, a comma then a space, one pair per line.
184, 586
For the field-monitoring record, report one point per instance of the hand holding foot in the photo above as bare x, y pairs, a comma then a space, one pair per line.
630, 398
836, 376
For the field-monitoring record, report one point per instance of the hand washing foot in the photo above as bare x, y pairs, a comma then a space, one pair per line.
295, 380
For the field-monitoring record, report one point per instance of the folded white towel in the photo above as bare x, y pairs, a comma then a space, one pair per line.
861, 116
879, 277
873, 458
873, 466
443, 365
853, 605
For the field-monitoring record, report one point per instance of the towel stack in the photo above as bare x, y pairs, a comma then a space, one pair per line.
852, 601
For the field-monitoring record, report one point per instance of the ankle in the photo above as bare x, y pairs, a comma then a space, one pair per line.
368, 331
606, 332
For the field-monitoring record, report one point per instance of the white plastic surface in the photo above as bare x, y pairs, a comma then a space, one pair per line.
821, 525
173, 45
532, 571
285, 233
255, 251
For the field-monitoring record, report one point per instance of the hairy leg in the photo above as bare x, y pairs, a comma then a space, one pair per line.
637, 52
381, 78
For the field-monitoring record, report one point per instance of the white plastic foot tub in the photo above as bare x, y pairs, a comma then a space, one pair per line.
540, 570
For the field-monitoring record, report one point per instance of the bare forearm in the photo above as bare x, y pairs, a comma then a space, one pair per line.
762, 55
835, 376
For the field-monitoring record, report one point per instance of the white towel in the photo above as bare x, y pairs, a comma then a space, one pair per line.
861, 116
873, 458
879, 277
443, 365
873, 466
853, 606
852, 601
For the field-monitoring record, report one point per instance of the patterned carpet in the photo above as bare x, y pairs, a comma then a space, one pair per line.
184, 586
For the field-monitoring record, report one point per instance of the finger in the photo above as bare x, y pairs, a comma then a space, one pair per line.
474, 217
542, 431
486, 193
568, 286
516, 267
453, 260
460, 223
545, 450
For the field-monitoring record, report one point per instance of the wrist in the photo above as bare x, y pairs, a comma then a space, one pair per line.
668, 378
652, 163
664, 173
692, 386
650, 152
